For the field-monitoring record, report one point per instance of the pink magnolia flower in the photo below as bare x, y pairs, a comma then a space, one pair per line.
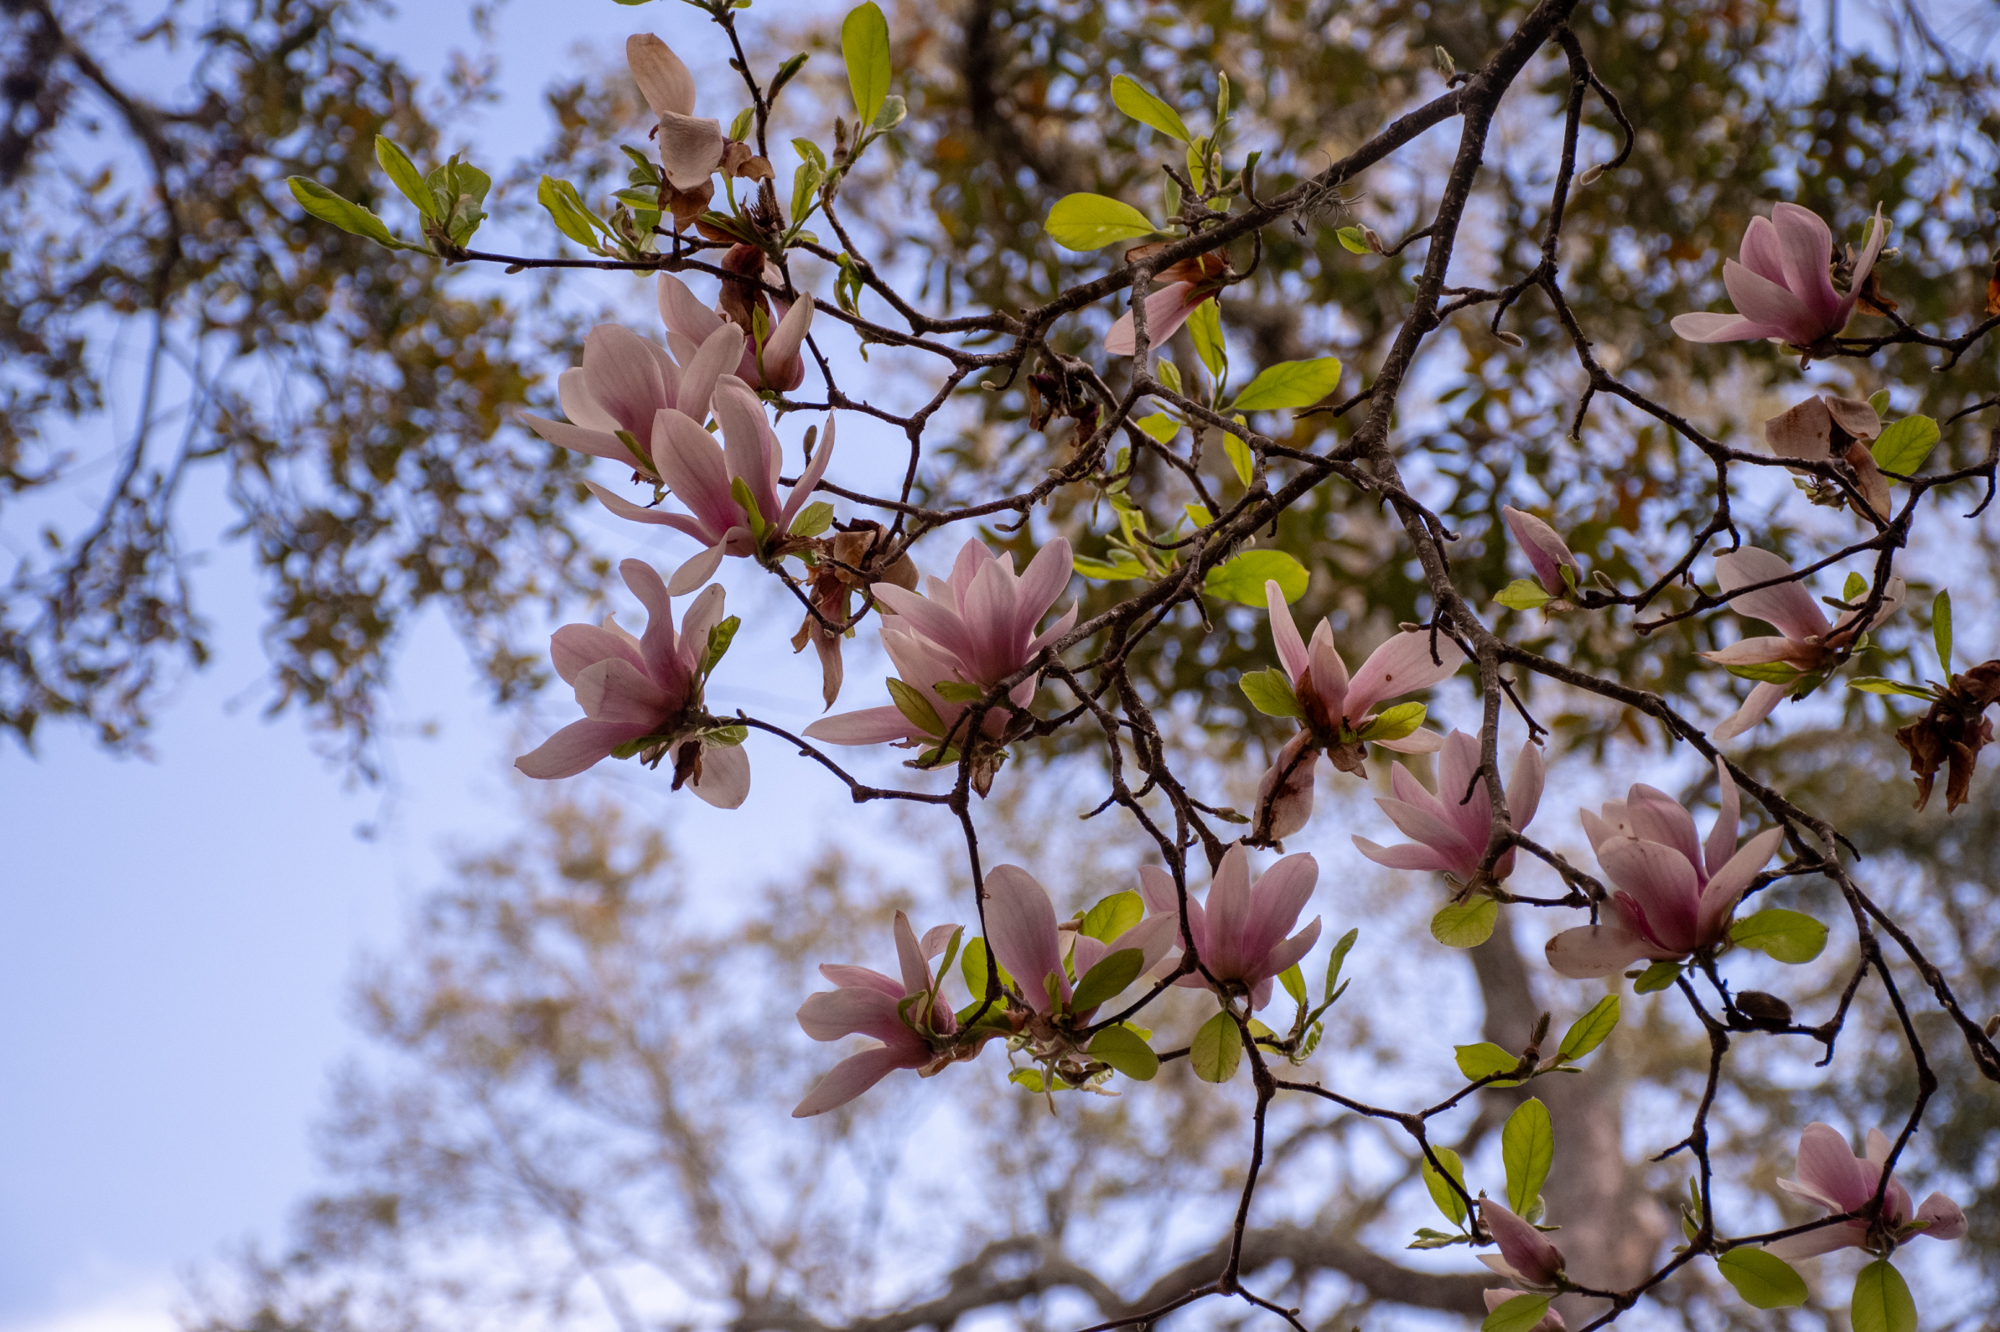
1830, 1174
1670, 894
1545, 549
1822, 428
1022, 931
1782, 290
1450, 831
1808, 643
1239, 934
867, 1003
1187, 284
624, 382
1525, 1253
773, 364
690, 148
1338, 713
974, 629
645, 689
1551, 1321
703, 475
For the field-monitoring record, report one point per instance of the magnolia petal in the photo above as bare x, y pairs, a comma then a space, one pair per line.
1021, 931
1654, 816
1812, 1243
693, 467
1420, 825
1276, 900
1526, 1250
1769, 303
575, 747
725, 776
1947, 1219
1285, 632
910, 957
614, 690
1804, 432
1590, 951
717, 356
1285, 791
1762, 699
575, 646
849, 1078
869, 726
622, 373
1061, 625
1287, 951
1661, 883
1166, 310
1040, 584
866, 978
1704, 327
1723, 891
808, 479
1406, 856
703, 614
1754, 651
573, 392
596, 443
1721, 843
1327, 676
1761, 251
683, 313
696, 571
1878, 235
1805, 249
1524, 785
1228, 912
781, 367
1544, 547
1787, 605
1419, 741
625, 508
1830, 1169
1157, 887
1403, 665
663, 80
748, 444
690, 148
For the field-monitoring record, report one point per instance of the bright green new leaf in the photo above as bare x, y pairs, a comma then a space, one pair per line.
1395, 723
1787, 936
958, 691
1442, 1193
813, 519
1147, 109
864, 45
1516, 1315
911, 702
1270, 692
352, 218
1882, 1300
1879, 400
893, 113
407, 178
1205, 327
1290, 384
1242, 579
1107, 979
1656, 977
1122, 1048
1029, 1078
1160, 426
460, 189
1765, 1281
1941, 629
1199, 515
1294, 982
1240, 461
1113, 916
1767, 672
1118, 567
1092, 221
1217, 1049
1466, 924
1484, 1059
1352, 239
972, 969
1340, 950
1591, 1030
1528, 1147
567, 211
1167, 373
720, 636
1903, 446
1524, 594
1876, 684
1854, 587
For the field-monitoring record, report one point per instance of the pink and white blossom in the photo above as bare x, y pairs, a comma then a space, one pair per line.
702, 474
1183, 287
1240, 933
776, 364
1544, 547
643, 688
624, 382
1832, 1176
975, 628
1338, 713
867, 1003
1021, 930
1525, 1256
1782, 289
1450, 831
1806, 642
1670, 893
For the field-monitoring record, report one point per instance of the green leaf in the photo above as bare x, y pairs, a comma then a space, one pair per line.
958, 691
1395, 723
1517, 1315
1113, 916
1340, 950
1876, 684
567, 211
1167, 373
972, 969
1466, 924
805, 191
1523, 594
1199, 515
1767, 672
1029, 1078
1879, 400
1242, 579
1270, 692
1290, 384
1107, 979
1527, 1146
1854, 587
1882, 1300
1442, 1194
813, 519
739, 490
1484, 1059
1147, 109
1591, 1030
1106, 571
403, 172
864, 45
1122, 1048
352, 218
1941, 629
1294, 982
1764, 1280
1352, 239
1656, 977
1160, 426
720, 636
1787, 936
1092, 221
893, 113
1903, 446
1434, 1239
1205, 327
1217, 1049
460, 188
1240, 461
912, 704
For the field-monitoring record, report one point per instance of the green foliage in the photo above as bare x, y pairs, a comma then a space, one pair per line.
1447, 1198
1591, 1030
1516, 1315
1123, 1049
1270, 692
1396, 722
1528, 1147
1941, 629
1241, 578
1787, 936
1147, 109
1484, 1059
1764, 1280
1091, 222
1466, 924
1289, 384
864, 45
910, 701
1882, 1300
1523, 594
1113, 916
1656, 977
1107, 979
352, 218
1902, 447
1217, 1049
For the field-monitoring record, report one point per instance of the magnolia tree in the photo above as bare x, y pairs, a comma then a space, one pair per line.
718, 423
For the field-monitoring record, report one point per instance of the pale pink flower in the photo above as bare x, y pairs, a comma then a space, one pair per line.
690, 148
776, 364
1782, 289
1021, 929
1831, 1175
1239, 934
1551, 1321
1166, 310
1823, 428
1450, 831
1339, 713
624, 382
702, 474
1525, 1253
1808, 642
1544, 547
867, 1003
975, 628
644, 689
1670, 893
